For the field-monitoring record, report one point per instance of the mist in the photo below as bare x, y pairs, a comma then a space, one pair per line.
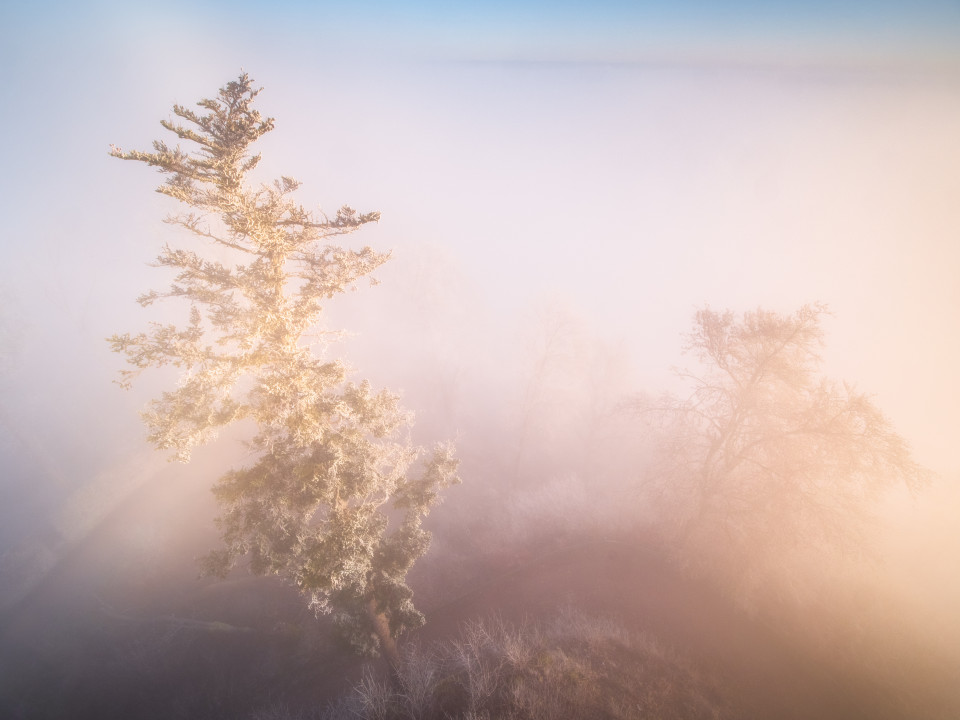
560, 195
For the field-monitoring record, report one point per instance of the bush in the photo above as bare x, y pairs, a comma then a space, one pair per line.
574, 666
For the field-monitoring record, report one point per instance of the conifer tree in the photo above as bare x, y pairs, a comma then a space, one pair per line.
335, 494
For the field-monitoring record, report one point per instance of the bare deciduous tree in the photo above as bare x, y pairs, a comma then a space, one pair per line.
765, 456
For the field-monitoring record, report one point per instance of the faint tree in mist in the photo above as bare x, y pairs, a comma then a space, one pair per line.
552, 346
765, 457
568, 396
331, 457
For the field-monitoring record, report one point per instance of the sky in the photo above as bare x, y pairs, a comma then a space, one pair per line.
630, 162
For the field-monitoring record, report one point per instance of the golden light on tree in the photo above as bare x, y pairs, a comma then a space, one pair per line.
334, 497
765, 458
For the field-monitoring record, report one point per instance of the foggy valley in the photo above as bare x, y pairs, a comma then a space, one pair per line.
621, 385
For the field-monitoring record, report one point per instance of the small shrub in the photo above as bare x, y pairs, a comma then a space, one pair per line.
374, 698
575, 666
418, 679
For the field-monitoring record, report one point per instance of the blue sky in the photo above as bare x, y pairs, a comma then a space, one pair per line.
637, 31
560, 31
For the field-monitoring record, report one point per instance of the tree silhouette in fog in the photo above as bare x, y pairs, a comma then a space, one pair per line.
765, 457
331, 500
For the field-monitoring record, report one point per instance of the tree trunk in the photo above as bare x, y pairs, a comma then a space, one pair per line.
388, 645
